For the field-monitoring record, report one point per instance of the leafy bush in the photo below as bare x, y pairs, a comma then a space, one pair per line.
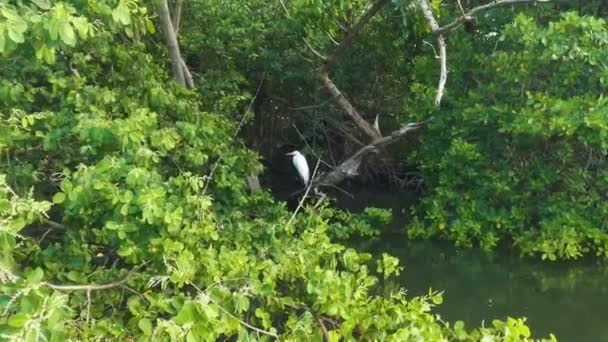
110, 230
519, 155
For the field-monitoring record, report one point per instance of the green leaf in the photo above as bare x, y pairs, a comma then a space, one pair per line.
43, 4
2, 41
35, 276
15, 34
146, 326
18, 320
121, 15
67, 34
150, 26
59, 197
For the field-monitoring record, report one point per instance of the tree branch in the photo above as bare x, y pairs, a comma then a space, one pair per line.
177, 13
295, 212
245, 324
92, 287
349, 167
171, 40
476, 10
440, 31
330, 62
347, 107
350, 35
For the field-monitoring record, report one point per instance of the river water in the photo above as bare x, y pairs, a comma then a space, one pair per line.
568, 299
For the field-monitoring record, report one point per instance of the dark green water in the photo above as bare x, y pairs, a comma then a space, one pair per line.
568, 299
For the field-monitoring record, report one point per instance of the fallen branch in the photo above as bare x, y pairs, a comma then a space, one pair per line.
349, 167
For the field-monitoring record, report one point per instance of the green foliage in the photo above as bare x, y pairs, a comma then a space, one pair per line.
112, 227
519, 155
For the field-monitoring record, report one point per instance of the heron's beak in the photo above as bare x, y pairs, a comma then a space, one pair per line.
289, 154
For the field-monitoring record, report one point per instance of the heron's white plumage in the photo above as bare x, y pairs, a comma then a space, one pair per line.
299, 162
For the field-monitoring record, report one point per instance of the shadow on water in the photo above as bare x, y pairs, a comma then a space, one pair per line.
569, 299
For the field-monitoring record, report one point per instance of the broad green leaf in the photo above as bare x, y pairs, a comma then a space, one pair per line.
67, 34
146, 326
18, 320
59, 197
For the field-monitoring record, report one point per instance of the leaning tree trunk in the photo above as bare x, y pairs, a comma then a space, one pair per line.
172, 45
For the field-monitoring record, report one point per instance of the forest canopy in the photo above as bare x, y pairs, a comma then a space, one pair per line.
134, 136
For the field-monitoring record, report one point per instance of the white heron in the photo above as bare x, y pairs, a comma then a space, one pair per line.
301, 165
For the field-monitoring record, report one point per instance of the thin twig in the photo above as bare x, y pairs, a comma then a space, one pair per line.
325, 332
92, 287
476, 10
310, 147
317, 53
88, 306
236, 132
310, 183
254, 328
285, 9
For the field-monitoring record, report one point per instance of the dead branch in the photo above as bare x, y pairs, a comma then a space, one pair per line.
295, 212
443, 75
349, 167
245, 324
350, 35
346, 107
234, 135
440, 31
177, 13
92, 287
330, 62
171, 40
476, 10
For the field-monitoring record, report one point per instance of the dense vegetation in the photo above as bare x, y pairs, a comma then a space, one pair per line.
125, 207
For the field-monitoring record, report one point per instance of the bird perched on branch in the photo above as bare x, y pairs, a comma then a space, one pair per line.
301, 165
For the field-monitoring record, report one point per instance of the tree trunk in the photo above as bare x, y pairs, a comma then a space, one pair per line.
171, 40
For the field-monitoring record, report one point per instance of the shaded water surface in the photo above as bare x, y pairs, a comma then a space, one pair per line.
567, 299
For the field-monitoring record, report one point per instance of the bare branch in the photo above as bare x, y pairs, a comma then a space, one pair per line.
92, 287
254, 328
234, 135
440, 31
348, 108
177, 13
330, 62
476, 10
349, 167
315, 52
171, 40
443, 74
295, 212
187, 75
351, 34
55, 225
